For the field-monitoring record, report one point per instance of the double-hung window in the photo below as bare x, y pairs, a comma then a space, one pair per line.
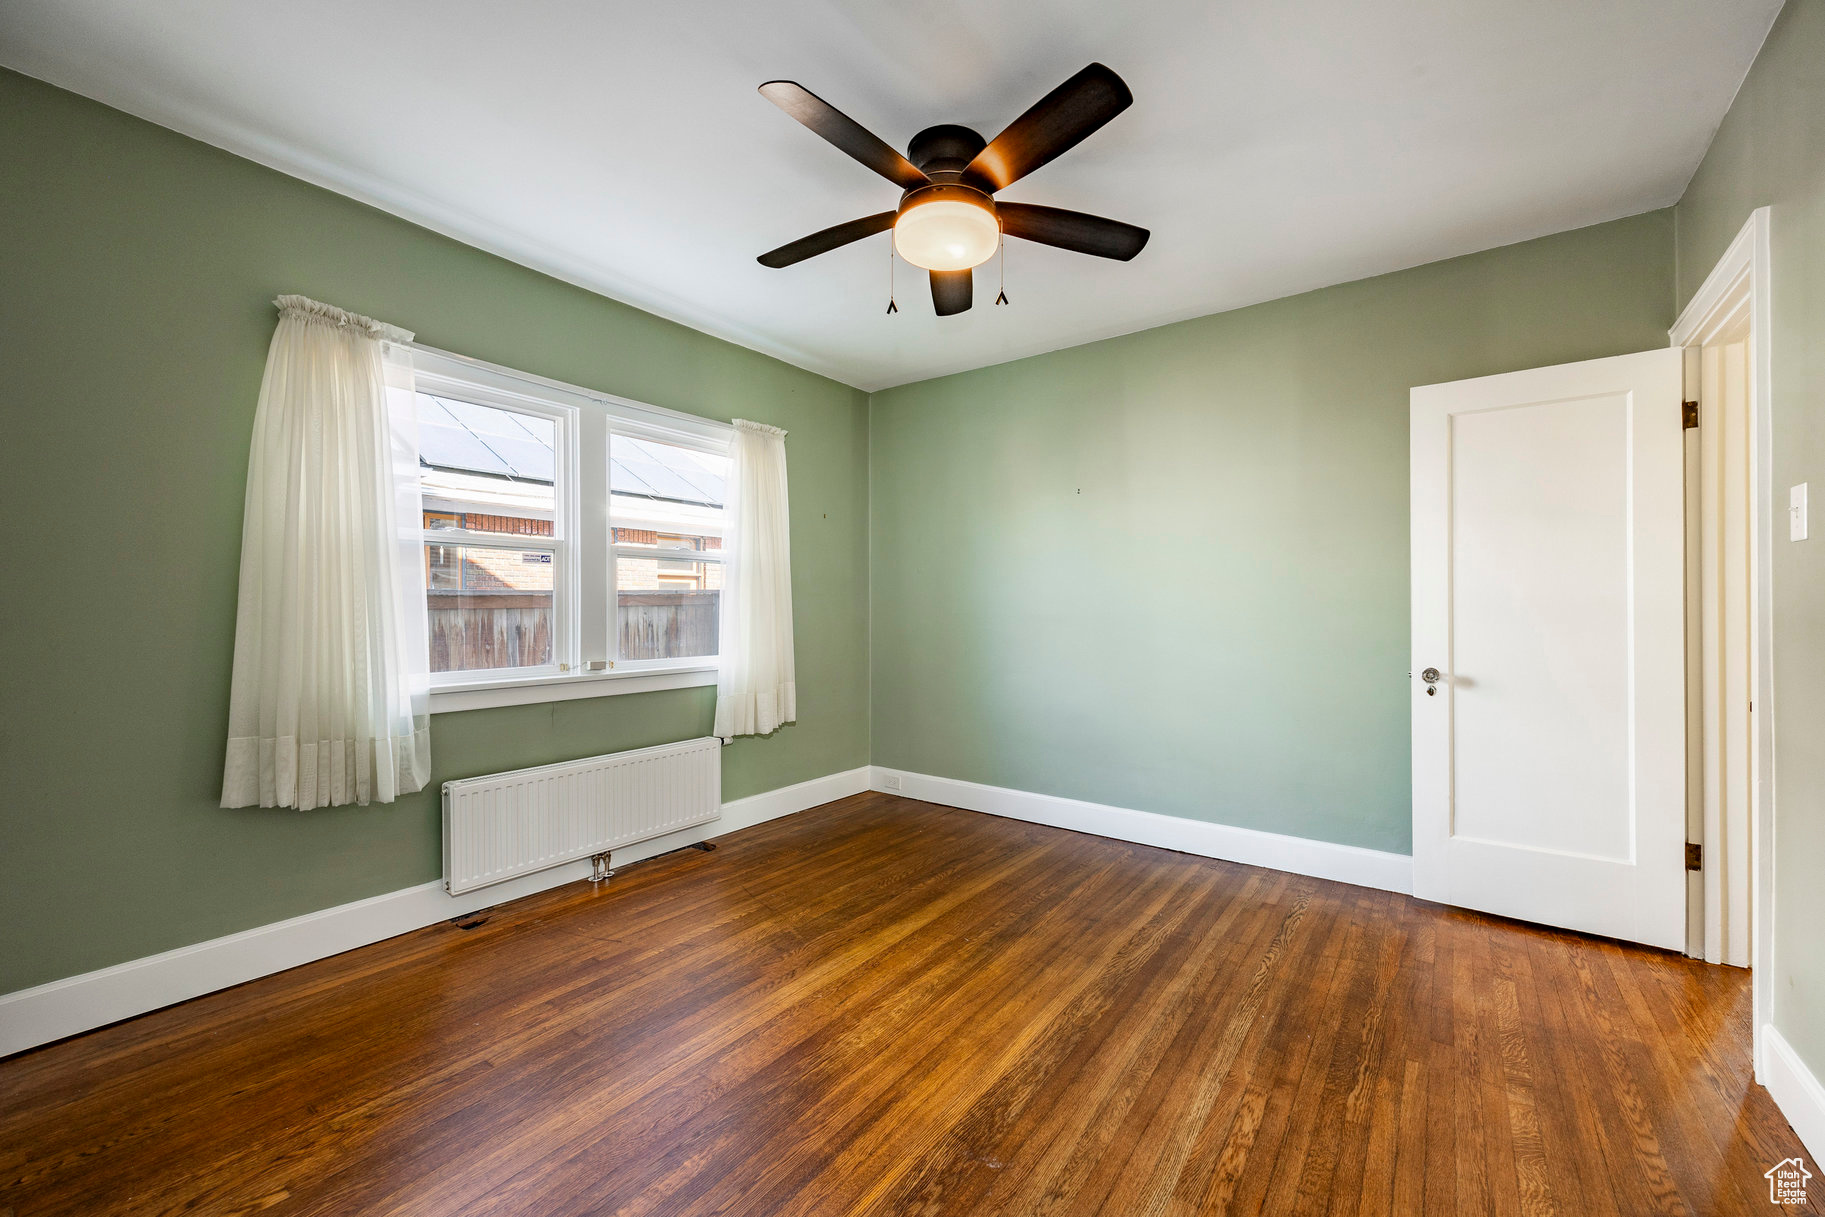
665, 514
497, 480
573, 542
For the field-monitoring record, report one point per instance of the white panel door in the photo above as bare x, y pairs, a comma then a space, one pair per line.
1549, 613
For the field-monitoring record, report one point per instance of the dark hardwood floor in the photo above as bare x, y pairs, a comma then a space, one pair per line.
886, 1007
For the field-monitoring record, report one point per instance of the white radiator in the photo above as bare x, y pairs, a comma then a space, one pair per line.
510, 824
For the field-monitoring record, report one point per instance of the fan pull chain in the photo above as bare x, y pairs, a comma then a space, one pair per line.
892, 308
1001, 253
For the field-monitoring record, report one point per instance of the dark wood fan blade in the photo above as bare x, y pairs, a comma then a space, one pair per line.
1056, 123
951, 290
843, 131
826, 240
1073, 230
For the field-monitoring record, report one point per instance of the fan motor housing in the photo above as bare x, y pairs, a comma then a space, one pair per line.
943, 152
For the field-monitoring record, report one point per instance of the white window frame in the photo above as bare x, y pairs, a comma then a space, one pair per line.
583, 583
566, 579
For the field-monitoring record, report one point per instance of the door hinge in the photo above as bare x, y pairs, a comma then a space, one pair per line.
1691, 414
1695, 856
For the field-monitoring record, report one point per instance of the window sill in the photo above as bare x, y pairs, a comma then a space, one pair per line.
527, 691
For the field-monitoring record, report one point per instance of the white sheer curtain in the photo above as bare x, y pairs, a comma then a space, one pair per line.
330, 698
755, 693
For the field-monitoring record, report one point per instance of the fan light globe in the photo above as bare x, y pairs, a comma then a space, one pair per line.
947, 234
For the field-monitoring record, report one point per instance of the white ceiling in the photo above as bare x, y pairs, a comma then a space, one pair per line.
1272, 147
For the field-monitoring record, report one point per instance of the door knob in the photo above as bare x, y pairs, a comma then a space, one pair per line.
1431, 677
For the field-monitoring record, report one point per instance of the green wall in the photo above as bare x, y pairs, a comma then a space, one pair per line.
1169, 571
1770, 150
137, 270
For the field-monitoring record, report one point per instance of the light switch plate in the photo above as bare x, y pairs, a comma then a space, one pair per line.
1796, 513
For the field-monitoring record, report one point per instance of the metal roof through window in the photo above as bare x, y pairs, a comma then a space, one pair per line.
463, 436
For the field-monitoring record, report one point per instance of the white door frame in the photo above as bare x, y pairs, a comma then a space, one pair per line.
1737, 289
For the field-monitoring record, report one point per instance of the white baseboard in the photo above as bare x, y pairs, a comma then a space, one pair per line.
1796, 1091
1300, 855
30, 1017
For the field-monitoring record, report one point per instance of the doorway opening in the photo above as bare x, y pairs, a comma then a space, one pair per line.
1724, 334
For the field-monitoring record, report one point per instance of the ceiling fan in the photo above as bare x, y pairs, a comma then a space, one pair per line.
948, 220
